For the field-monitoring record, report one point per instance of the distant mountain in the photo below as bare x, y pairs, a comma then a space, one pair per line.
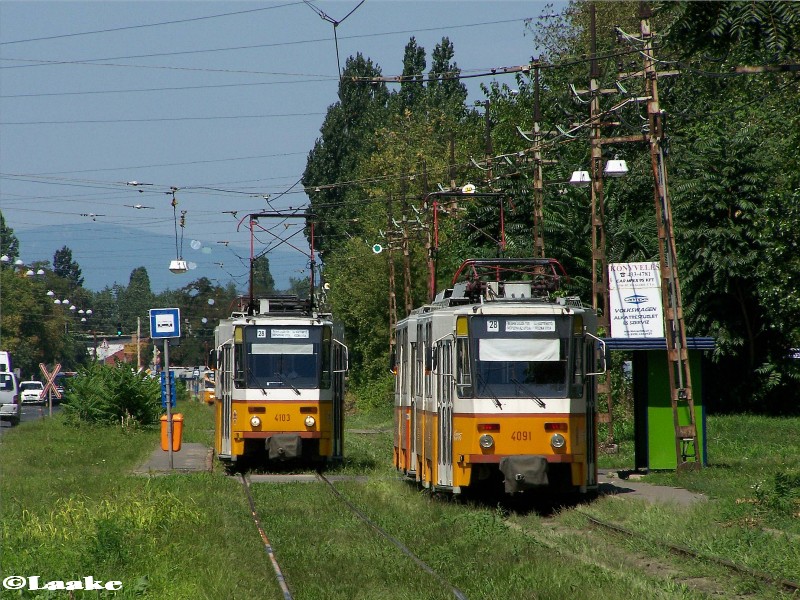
107, 254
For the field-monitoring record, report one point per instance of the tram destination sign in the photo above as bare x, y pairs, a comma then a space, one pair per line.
634, 291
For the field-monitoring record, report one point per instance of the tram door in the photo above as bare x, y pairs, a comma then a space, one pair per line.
444, 405
339, 368
226, 383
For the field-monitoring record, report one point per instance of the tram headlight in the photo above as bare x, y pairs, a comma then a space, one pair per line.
486, 441
557, 441
310, 421
255, 421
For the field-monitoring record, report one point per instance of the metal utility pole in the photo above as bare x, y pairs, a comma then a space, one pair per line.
680, 382
538, 179
407, 302
600, 298
392, 294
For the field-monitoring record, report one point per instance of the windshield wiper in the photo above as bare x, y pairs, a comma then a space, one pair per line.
285, 381
533, 396
486, 388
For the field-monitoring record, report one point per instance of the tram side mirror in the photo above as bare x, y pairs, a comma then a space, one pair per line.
212, 357
393, 361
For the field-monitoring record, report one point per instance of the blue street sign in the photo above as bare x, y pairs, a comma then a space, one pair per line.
165, 323
164, 389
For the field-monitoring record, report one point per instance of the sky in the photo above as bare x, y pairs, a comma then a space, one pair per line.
221, 100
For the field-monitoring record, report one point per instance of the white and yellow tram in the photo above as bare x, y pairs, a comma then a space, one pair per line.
279, 384
494, 383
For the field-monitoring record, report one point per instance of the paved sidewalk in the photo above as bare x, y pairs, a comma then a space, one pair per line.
191, 458
612, 485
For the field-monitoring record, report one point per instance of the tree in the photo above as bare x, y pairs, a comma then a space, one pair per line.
263, 282
135, 301
9, 244
445, 90
345, 136
412, 88
756, 28
65, 267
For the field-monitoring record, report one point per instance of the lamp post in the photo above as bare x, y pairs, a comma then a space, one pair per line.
600, 294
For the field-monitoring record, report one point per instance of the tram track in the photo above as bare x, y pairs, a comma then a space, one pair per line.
287, 595
552, 537
387, 536
762, 576
281, 579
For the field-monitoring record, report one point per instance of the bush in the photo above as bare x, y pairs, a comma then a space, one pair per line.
104, 394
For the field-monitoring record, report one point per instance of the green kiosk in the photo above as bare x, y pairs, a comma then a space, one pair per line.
654, 429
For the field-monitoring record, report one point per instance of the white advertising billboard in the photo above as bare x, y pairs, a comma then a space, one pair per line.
635, 300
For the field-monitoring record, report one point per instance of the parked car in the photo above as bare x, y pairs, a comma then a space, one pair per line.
9, 398
31, 392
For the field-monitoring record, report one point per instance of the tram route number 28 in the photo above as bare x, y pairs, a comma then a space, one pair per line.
521, 436
283, 417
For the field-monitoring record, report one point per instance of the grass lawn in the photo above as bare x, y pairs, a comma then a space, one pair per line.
71, 508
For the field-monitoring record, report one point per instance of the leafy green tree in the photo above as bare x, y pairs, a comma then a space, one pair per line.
135, 301
9, 244
445, 89
345, 136
66, 268
412, 88
263, 281
757, 28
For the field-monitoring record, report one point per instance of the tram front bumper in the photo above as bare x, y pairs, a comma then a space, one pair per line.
284, 446
523, 472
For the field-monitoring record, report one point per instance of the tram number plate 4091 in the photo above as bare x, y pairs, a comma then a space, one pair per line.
521, 436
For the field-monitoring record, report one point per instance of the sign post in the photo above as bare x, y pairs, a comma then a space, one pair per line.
165, 323
50, 385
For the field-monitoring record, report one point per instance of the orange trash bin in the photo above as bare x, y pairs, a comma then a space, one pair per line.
177, 432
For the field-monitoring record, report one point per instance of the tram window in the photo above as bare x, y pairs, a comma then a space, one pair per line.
577, 354
239, 376
325, 381
428, 349
285, 357
516, 367
463, 369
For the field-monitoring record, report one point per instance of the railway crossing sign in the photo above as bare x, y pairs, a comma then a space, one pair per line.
165, 323
50, 383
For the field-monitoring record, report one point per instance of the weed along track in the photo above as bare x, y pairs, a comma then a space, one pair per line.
351, 508
642, 570
403, 548
791, 586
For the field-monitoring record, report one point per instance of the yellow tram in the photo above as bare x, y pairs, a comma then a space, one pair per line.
279, 384
495, 383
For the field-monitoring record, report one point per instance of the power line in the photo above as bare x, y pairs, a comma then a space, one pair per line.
162, 119
145, 25
95, 61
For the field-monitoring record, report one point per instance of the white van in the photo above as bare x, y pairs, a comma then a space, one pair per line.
5, 362
9, 398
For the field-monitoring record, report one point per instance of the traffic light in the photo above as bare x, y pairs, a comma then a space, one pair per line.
119, 329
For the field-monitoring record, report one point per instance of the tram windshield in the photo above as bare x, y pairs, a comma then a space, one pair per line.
283, 357
519, 357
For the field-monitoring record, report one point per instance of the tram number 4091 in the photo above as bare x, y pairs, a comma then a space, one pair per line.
521, 436
283, 417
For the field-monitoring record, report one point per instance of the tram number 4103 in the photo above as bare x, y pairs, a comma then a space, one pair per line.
283, 417
521, 436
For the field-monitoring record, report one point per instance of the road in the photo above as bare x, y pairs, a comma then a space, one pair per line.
30, 412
